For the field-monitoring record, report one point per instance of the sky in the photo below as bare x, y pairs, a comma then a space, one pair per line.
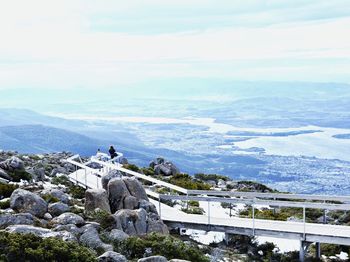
116, 44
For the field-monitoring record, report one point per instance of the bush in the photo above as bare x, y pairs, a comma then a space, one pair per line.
186, 181
7, 189
63, 180
28, 247
19, 175
193, 210
132, 167
212, 177
193, 203
77, 191
102, 217
5, 204
50, 198
167, 246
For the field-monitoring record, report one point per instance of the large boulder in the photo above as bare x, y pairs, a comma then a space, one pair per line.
58, 208
111, 256
135, 188
132, 222
73, 229
11, 164
116, 235
148, 206
41, 232
38, 174
57, 193
23, 201
155, 224
164, 167
153, 259
111, 174
130, 202
16, 219
91, 239
117, 191
96, 198
69, 218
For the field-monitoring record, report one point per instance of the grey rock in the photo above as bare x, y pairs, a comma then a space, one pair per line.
148, 206
111, 174
140, 223
41, 232
69, 218
95, 165
71, 228
117, 191
130, 202
91, 239
178, 260
58, 170
164, 167
111, 256
47, 216
59, 194
116, 235
135, 188
16, 219
125, 221
58, 208
156, 225
24, 201
153, 259
4, 175
11, 164
38, 174
89, 225
96, 198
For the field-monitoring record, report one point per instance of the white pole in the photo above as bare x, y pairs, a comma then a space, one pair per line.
208, 212
85, 178
160, 208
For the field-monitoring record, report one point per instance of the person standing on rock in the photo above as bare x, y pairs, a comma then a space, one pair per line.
112, 152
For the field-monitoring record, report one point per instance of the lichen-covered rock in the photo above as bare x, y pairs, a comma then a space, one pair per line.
153, 259
130, 202
96, 198
155, 224
71, 228
111, 174
116, 235
135, 188
91, 239
11, 164
16, 219
148, 206
117, 191
58, 208
59, 194
23, 201
69, 218
111, 256
125, 219
38, 174
41, 232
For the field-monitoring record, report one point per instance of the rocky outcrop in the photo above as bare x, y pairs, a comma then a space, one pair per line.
16, 219
96, 198
111, 174
4, 175
58, 208
153, 259
23, 201
12, 164
111, 256
37, 173
91, 239
164, 167
69, 218
73, 229
135, 188
117, 192
41, 232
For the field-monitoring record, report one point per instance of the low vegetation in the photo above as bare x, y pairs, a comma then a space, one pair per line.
76, 191
6, 190
156, 244
186, 181
28, 247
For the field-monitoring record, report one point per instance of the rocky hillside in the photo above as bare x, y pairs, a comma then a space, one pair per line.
41, 202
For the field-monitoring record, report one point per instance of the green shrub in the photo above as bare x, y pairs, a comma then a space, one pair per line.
186, 181
19, 175
167, 246
28, 247
5, 204
102, 217
7, 189
193, 210
193, 203
50, 198
76, 191
63, 180
132, 167
212, 177
148, 171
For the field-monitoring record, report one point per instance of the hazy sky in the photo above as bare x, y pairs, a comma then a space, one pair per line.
70, 43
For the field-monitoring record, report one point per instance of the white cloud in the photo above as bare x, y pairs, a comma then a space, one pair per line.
54, 46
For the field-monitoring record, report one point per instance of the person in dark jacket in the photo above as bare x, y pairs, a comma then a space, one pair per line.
112, 152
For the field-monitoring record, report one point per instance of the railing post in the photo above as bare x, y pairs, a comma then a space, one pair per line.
97, 181
253, 214
160, 207
208, 212
85, 178
304, 221
76, 174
